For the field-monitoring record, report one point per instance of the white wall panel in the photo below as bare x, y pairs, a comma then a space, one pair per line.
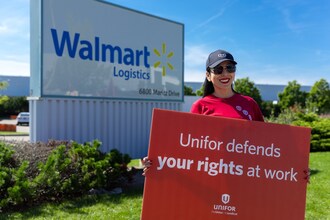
120, 124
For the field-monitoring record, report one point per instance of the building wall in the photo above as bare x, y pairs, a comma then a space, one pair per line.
20, 86
188, 101
268, 92
17, 85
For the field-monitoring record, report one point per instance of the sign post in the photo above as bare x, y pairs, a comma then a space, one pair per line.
206, 167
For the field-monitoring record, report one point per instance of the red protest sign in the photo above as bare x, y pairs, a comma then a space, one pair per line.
208, 167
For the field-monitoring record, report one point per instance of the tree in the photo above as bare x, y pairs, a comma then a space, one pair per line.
318, 99
188, 91
3, 86
292, 96
247, 87
200, 92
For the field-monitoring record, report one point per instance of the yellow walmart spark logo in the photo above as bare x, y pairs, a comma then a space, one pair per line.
163, 55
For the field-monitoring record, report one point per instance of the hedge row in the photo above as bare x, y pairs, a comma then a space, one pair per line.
13, 105
320, 135
320, 140
70, 169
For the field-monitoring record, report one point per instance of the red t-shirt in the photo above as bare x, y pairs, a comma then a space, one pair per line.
237, 106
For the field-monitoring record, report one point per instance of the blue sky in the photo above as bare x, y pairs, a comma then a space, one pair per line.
274, 42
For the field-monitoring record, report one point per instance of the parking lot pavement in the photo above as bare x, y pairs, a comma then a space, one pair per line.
15, 138
25, 129
8, 121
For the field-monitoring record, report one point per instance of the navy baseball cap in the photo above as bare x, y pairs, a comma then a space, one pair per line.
217, 57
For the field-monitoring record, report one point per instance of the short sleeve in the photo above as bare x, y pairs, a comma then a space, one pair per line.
196, 107
257, 112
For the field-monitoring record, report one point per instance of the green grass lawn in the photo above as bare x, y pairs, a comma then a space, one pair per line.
128, 204
135, 163
117, 207
318, 191
12, 133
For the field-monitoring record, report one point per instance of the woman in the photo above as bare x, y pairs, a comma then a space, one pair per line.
219, 98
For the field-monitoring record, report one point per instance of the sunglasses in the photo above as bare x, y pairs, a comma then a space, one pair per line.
219, 69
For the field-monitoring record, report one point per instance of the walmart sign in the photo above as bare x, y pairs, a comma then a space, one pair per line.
107, 51
104, 52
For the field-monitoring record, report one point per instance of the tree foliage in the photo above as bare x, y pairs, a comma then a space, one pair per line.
13, 105
318, 99
189, 91
200, 91
4, 85
292, 95
247, 87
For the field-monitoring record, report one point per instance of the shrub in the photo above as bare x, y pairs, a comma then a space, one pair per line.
69, 169
320, 140
320, 134
6, 163
14, 185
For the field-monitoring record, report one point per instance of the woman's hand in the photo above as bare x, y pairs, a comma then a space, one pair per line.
308, 174
146, 163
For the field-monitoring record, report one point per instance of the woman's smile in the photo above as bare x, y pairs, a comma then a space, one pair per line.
225, 80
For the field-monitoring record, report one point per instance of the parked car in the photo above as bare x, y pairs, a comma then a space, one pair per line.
23, 118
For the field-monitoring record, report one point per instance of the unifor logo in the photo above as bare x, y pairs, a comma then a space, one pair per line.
225, 198
221, 55
164, 56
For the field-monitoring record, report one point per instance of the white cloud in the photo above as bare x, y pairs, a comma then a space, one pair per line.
14, 35
210, 19
195, 58
223, 6
272, 74
292, 25
3, 28
14, 18
14, 68
196, 55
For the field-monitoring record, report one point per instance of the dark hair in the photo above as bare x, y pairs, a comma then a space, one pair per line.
208, 87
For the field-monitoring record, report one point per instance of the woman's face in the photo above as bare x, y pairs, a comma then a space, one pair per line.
225, 79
